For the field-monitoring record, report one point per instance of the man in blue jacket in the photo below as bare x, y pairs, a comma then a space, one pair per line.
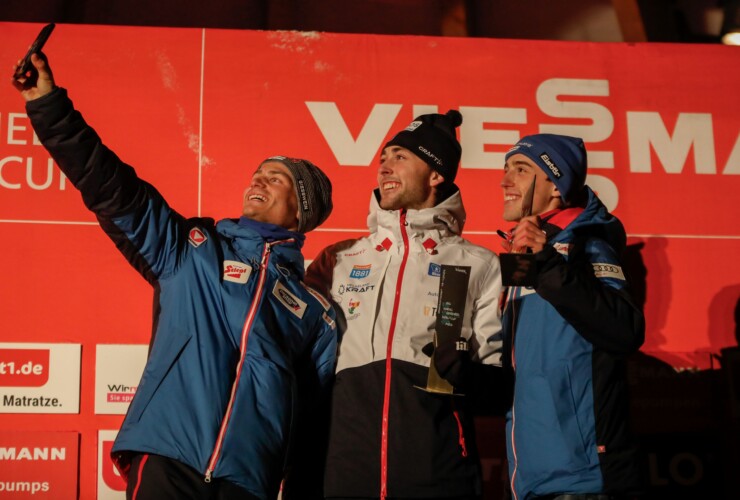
567, 335
242, 351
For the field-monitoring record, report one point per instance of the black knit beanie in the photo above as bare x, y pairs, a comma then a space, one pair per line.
432, 138
313, 190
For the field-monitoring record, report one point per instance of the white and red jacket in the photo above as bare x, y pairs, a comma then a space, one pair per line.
387, 437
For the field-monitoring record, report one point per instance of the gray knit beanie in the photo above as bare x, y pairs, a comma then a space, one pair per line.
313, 190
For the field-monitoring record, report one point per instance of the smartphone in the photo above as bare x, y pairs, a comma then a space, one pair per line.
35, 47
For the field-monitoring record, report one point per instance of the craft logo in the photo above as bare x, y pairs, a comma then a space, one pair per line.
293, 303
360, 272
119, 393
434, 270
197, 237
431, 155
24, 367
236, 272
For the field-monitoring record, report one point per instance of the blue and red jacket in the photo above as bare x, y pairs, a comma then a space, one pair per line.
566, 338
241, 349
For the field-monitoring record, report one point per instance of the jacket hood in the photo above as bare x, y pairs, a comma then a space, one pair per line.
447, 217
595, 222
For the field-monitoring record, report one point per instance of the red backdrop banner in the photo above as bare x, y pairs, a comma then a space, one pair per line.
195, 111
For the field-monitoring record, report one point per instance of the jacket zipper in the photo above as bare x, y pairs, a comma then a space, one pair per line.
389, 351
461, 434
512, 303
215, 455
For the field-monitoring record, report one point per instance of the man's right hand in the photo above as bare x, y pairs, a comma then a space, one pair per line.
37, 82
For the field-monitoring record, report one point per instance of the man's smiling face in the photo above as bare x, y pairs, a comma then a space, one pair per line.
405, 180
271, 196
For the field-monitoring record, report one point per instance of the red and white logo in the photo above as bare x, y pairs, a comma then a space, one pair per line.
24, 367
39, 378
38, 464
118, 369
197, 237
290, 301
237, 272
111, 486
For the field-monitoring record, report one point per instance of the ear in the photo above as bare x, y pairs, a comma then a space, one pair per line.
555, 193
435, 179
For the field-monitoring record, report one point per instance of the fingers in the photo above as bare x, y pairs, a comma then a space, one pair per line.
527, 234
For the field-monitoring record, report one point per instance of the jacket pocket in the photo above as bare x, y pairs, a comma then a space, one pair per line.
163, 357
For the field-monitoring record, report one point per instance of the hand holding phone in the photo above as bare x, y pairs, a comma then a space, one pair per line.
35, 47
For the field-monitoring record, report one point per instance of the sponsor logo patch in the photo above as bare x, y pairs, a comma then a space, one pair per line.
324, 303
359, 288
413, 126
328, 320
551, 165
562, 248
434, 270
353, 305
236, 272
608, 271
360, 272
290, 301
197, 237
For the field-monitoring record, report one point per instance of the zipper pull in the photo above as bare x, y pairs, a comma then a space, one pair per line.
208, 475
268, 247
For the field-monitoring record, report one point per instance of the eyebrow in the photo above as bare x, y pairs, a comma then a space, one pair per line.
393, 149
520, 163
272, 171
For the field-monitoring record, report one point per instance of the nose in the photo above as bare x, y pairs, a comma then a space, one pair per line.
506, 179
385, 168
258, 180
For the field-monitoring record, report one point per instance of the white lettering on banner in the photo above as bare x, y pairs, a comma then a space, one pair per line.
7, 179
24, 486
12, 126
474, 137
346, 149
647, 129
33, 453
602, 120
608, 192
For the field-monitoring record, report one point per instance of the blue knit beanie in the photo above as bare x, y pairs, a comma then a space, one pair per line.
563, 158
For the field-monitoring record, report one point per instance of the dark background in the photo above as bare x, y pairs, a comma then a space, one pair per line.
685, 21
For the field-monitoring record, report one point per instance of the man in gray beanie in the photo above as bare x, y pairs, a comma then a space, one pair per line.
242, 351
396, 429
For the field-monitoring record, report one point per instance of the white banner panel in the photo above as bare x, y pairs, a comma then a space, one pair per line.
39, 378
118, 369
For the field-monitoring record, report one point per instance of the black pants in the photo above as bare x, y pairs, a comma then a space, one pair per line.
153, 477
397, 498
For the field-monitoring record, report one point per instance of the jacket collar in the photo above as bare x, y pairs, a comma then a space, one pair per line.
443, 220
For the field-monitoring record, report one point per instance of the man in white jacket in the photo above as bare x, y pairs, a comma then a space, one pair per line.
392, 435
